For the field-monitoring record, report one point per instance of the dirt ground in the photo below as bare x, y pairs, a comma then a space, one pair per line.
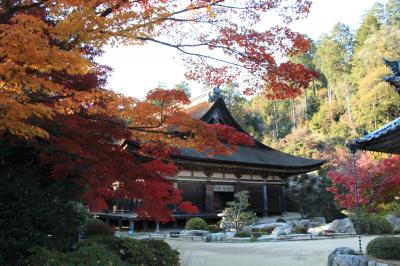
285, 253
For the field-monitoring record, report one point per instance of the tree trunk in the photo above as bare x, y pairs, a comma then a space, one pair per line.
275, 120
351, 121
293, 114
305, 105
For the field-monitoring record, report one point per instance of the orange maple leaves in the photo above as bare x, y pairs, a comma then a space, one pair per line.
51, 88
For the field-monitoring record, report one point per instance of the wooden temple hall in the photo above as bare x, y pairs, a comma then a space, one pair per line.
210, 182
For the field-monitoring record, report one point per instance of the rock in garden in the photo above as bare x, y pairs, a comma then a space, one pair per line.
337, 226
317, 221
340, 251
300, 224
267, 226
342, 226
394, 221
282, 230
216, 237
350, 260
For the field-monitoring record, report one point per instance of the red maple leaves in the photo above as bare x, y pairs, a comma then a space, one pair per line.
378, 181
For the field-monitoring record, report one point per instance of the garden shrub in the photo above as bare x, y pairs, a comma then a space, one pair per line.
384, 247
43, 256
196, 224
213, 228
108, 241
301, 230
94, 254
98, 227
372, 224
267, 230
149, 253
253, 239
280, 220
390, 208
241, 234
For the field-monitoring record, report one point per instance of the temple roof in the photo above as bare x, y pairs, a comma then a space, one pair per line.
387, 138
214, 110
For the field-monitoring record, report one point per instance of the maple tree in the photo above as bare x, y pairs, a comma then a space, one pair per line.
52, 90
378, 180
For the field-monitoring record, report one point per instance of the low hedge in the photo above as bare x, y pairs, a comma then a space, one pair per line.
148, 252
384, 247
241, 234
95, 254
196, 224
109, 250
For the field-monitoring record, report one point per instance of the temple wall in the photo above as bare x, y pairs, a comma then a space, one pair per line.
210, 191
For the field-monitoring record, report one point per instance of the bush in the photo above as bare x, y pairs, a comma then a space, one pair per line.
149, 253
98, 227
94, 254
280, 220
241, 234
253, 239
109, 250
196, 224
384, 247
213, 228
266, 231
373, 224
301, 230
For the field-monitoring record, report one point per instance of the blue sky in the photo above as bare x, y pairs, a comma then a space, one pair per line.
137, 69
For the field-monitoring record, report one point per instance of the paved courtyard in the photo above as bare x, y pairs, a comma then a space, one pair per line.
285, 253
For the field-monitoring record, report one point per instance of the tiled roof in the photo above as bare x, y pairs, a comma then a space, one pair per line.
386, 139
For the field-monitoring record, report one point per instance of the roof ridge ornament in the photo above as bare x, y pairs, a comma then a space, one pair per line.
395, 79
215, 94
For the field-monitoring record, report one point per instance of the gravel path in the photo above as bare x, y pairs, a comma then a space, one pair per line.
285, 253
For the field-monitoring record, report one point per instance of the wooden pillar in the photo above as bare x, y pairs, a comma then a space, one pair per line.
174, 208
209, 197
265, 198
157, 226
131, 226
119, 224
145, 225
284, 198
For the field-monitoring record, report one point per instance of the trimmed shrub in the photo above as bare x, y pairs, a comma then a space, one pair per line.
384, 247
196, 224
213, 228
94, 254
241, 234
148, 252
280, 220
98, 227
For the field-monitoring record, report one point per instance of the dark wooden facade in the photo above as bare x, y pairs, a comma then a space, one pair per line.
209, 182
